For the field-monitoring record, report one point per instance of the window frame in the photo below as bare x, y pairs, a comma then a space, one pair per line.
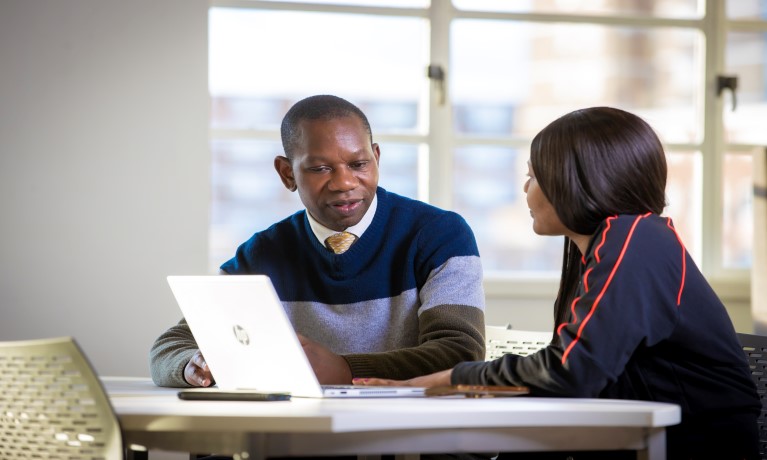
713, 24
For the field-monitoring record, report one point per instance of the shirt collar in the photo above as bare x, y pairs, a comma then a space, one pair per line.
322, 232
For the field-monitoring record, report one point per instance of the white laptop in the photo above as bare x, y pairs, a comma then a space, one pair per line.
248, 341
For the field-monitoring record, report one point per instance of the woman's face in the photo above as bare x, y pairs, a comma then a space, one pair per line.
545, 219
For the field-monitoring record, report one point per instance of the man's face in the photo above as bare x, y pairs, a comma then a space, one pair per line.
335, 170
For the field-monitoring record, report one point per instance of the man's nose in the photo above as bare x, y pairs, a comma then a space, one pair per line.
343, 179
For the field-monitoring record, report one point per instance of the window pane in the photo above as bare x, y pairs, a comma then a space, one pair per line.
252, 86
488, 194
398, 169
243, 112
389, 3
247, 194
683, 190
262, 61
738, 211
507, 77
660, 8
264, 113
746, 57
746, 9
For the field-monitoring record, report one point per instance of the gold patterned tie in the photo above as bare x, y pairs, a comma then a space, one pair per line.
340, 242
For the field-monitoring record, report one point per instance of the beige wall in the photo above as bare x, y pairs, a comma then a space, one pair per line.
104, 170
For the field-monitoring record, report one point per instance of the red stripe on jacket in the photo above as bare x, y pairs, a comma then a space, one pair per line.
604, 288
684, 261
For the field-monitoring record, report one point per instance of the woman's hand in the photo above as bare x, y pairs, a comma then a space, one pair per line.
432, 380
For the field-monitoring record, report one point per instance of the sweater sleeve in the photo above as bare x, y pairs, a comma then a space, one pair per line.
627, 298
449, 334
451, 319
169, 355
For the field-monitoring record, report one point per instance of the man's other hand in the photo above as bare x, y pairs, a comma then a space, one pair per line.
329, 367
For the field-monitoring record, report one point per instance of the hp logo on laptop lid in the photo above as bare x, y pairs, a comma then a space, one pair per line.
241, 334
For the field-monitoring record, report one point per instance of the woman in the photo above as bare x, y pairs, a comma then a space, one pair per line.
634, 317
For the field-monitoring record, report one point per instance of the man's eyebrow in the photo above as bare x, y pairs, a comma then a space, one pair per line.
360, 152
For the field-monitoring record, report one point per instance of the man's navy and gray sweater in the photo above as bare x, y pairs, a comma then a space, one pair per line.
405, 300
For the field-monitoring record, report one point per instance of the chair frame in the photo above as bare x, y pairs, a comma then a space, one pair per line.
755, 348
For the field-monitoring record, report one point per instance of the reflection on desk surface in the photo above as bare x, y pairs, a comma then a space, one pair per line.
134, 386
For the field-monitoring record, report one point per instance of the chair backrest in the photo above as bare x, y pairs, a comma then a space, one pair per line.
755, 347
52, 405
500, 340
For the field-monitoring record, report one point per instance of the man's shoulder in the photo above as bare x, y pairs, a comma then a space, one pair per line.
286, 228
267, 246
425, 223
417, 208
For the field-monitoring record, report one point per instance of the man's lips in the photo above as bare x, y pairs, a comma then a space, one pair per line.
346, 206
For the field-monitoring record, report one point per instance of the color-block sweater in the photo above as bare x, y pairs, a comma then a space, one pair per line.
405, 300
645, 325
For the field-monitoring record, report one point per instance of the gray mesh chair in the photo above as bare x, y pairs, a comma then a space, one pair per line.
52, 405
500, 340
755, 347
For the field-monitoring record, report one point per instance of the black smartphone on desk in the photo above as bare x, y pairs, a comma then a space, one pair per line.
214, 394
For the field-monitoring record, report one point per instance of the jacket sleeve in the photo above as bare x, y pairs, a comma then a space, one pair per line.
626, 299
451, 318
169, 355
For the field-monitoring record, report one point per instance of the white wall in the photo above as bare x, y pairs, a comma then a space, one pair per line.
104, 170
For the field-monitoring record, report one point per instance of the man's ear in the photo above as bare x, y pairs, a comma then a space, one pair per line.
377, 152
284, 168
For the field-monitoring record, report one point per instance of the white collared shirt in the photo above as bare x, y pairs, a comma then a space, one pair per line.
322, 232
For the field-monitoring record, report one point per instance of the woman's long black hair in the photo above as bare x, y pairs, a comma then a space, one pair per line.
592, 164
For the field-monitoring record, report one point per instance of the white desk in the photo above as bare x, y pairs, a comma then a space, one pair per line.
155, 418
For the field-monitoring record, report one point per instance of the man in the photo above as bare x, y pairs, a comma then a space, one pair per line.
404, 299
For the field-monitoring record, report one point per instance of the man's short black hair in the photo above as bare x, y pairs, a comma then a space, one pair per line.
320, 107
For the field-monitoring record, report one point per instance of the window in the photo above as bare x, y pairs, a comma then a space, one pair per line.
264, 60
511, 68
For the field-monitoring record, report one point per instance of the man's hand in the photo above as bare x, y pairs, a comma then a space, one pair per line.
329, 367
436, 379
196, 372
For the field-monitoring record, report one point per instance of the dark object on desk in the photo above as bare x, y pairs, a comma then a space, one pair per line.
214, 394
755, 347
477, 391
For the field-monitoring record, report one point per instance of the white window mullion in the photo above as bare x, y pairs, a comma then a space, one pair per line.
440, 120
713, 144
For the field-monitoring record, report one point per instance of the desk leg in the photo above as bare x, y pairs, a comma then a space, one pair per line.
256, 448
656, 445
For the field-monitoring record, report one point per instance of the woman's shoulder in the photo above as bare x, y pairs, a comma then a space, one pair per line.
648, 222
650, 232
